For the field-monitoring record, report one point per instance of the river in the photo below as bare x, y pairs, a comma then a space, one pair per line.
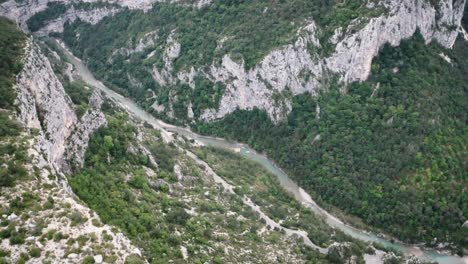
286, 182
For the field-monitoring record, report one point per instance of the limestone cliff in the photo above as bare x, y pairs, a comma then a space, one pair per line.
287, 70
55, 132
21, 11
354, 52
293, 69
44, 105
92, 16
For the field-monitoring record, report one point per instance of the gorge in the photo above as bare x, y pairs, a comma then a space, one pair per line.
169, 147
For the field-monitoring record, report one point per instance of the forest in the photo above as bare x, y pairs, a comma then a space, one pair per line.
392, 150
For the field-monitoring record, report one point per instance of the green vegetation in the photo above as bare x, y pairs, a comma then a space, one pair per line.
88, 6
35, 252
11, 49
153, 211
88, 260
199, 30
393, 155
264, 189
134, 259
206, 95
79, 94
40, 19
13, 155
246, 30
12, 150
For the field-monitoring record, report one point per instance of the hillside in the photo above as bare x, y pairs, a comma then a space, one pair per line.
362, 103
391, 150
177, 69
85, 181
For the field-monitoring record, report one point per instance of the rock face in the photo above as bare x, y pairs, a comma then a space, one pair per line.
44, 104
57, 135
148, 40
293, 69
90, 122
92, 16
284, 69
288, 70
21, 11
354, 53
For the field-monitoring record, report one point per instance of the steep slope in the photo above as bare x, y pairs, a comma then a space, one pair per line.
291, 48
166, 200
162, 195
129, 163
284, 77
42, 221
50, 16
392, 150
186, 74
172, 208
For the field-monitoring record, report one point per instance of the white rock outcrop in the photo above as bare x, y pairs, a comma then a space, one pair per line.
353, 55
292, 69
77, 143
92, 16
21, 11
288, 68
147, 41
44, 104
172, 51
45, 107
148, 4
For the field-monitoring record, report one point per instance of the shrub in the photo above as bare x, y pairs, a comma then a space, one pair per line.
88, 260
35, 252
4, 253
76, 218
17, 238
11, 49
49, 204
134, 259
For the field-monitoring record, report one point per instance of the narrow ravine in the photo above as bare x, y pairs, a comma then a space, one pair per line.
300, 195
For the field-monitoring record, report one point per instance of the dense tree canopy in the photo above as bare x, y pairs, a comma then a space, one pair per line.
392, 150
